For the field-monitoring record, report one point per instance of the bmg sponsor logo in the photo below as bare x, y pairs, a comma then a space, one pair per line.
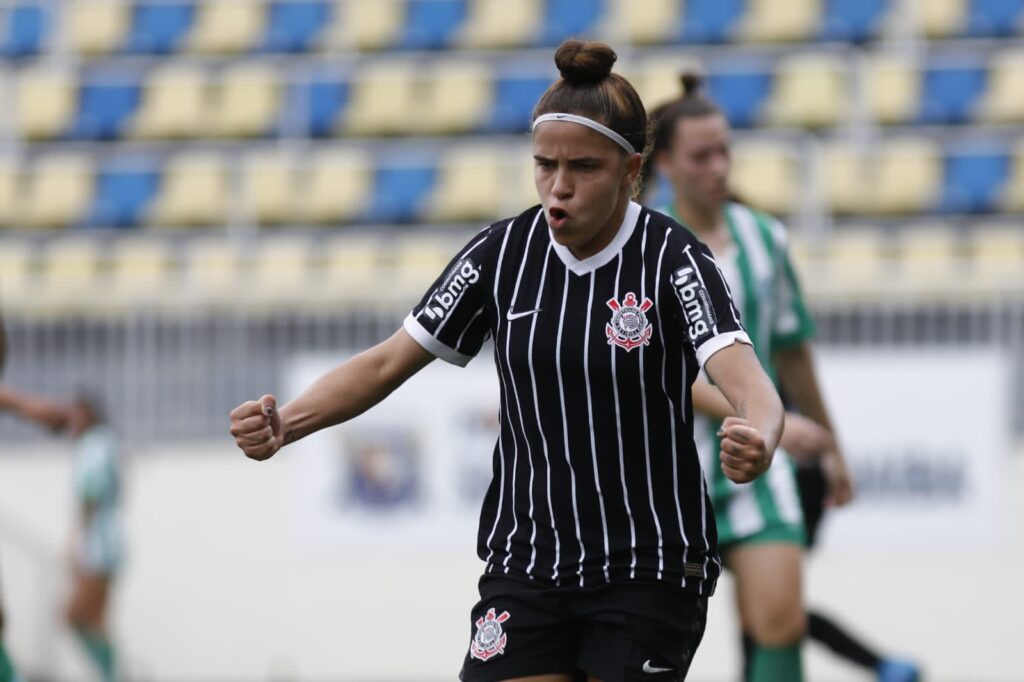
461, 276
700, 316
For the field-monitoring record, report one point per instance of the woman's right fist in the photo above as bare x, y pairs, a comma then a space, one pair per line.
256, 426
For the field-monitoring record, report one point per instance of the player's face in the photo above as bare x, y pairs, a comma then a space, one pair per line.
698, 163
583, 181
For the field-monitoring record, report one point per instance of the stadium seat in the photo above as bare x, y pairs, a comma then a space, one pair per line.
247, 101
938, 18
567, 18
906, 176
295, 25
106, 105
58, 191
431, 24
950, 92
316, 104
193, 191
401, 192
658, 23
995, 18
123, 193
741, 90
810, 90
458, 98
384, 99
10, 177
892, 88
658, 80
336, 187
352, 266
269, 188
16, 260
418, 262
471, 185
142, 269
281, 267
500, 24
845, 178
227, 27
214, 265
44, 102
515, 96
852, 20
710, 21
773, 21
25, 29
1002, 102
858, 264
366, 25
975, 179
98, 27
69, 271
174, 103
1012, 199
997, 255
765, 173
159, 27
930, 257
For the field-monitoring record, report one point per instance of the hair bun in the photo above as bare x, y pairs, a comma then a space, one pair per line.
692, 83
583, 63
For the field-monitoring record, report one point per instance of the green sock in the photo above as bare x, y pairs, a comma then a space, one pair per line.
7, 673
777, 664
100, 650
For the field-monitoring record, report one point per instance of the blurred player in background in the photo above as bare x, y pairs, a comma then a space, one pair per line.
596, 531
96, 544
7, 673
761, 525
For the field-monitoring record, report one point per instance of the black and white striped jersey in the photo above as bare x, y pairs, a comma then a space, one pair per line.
596, 477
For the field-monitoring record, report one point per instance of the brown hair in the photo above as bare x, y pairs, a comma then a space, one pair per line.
692, 104
589, 88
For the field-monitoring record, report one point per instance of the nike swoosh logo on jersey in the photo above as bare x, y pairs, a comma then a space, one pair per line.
526, 313
648, 668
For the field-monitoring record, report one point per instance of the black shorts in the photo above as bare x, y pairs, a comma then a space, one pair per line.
813, 487
616, 633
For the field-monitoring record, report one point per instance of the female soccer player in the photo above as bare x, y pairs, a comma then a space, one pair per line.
97, 542
596, 531
760, 526
7, 673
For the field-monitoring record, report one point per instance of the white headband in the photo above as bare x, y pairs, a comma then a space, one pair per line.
590, 123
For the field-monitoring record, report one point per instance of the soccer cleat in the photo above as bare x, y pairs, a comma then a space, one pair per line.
893, 670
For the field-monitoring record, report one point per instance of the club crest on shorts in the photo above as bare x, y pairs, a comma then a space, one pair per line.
629, 327
489, 640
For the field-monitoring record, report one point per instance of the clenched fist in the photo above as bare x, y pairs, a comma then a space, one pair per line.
744, 454
256, 426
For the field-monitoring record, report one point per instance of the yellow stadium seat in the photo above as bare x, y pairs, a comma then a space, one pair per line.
810, 90
269, 188
385, 99
98, 27
458, 98
892, 87
471, 186
906, 176
845, 182
658, 80
1003, 102
773, 21
654, 25
9, 177
248, 103
523, 192
194, 191
418, 262
858, 263
938, 18
997, 256
226, 26
282, 266
766, 174
336, 188
142, 268
353, 267
174, 103
499, 23
214, 267
1013, 194
58, 191
15, 271
44, 102
70, 270
931, 257
366, 24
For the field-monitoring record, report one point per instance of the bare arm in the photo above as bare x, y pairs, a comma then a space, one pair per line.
748, 439
347, 391
46, 413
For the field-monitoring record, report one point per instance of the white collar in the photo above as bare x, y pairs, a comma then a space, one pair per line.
605, 255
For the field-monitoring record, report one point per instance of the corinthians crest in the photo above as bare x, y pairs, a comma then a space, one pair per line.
629, 327
490, 639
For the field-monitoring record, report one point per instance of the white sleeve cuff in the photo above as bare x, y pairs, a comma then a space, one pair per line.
712, 346
419, 333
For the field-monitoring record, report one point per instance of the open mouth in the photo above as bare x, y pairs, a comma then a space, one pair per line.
557, 217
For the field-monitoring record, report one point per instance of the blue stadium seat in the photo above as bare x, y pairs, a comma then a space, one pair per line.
853, 20
711, 21
514, 99
565, 18
159, 27
740, 93
322, 97
987, 18
401, 192
123, 193
26, 26
295, 26
950, 93
974, 180
431, 24
104, 109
